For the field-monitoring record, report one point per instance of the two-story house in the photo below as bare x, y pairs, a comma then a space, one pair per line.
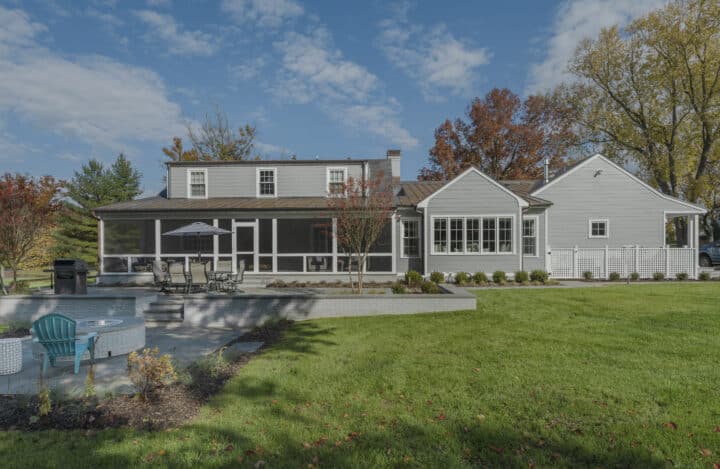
278, 214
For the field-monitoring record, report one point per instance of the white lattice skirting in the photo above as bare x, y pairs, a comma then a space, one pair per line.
569, 263
10, 356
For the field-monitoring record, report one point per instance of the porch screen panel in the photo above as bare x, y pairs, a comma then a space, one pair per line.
225, 241
265, 235
184, 244
304, 236
384, 241
129, 236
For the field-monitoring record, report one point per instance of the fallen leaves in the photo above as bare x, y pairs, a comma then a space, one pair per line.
671, 425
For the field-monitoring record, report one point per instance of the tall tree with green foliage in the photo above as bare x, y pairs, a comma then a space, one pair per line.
650, 94
93, 186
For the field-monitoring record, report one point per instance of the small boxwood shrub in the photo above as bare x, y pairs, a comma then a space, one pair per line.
634, 276
499, 277
462, 278
398, 288
437, 277
704, 276
539, 276
521, 276
480, 278
657, 276
681, 276
413, 278
614, 276
587, 275
429, 287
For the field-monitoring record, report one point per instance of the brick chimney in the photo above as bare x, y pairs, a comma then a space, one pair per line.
394, 157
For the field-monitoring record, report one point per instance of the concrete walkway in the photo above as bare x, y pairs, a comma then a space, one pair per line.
185, 344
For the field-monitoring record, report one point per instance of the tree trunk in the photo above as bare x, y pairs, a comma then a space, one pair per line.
2, 281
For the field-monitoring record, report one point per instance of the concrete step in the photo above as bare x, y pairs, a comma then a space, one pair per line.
153, 317
165, 310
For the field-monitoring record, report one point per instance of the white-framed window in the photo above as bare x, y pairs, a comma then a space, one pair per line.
410, 238
336, 179
197, 183
529, 236
440, 236
473, 235
266, 182
598, 228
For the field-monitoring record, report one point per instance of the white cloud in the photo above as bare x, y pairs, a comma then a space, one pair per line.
166, 28
313, 71
264, 13
95, 99
269, 149
159, 3
574, 21
432, 57
248, 69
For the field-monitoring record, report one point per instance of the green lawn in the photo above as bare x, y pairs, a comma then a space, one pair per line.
617, 376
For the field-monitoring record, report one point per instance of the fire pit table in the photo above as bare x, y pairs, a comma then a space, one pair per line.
10, 356
115, 336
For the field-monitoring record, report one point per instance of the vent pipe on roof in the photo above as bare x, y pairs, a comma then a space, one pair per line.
546, 174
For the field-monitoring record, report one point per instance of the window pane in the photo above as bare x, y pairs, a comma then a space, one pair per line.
529, 238
488, 235
599, 228
245, 238
115, 265
267, 182
225, 241
411, 238
304, 236
319, 264
504, 234
440, 235
129, 236
472, 234
249, 261
342, 264
379, 264
265, 234
336, 180
265, 264
384, 241
456, 235
141, 264
290, 264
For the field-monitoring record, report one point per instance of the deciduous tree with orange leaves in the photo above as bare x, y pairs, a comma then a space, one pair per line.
504, 137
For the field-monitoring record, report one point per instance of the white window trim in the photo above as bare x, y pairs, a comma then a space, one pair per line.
257, 182
417, 220
327, 178
522, 236
513, 225
189, 178
599, 220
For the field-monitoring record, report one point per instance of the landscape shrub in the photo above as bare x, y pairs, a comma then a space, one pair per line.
429, 287
634, 276
657, 276
539, 276
413, 278
681, 276
480, 278
614, 276
521, 276
704, 276
587, 275
462, 278
149, 371
437, 277
499, 277
398, 288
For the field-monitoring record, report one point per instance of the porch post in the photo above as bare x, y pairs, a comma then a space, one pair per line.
696, 245
274, 244
158, 239
393, 238
101, 246
426, 234
334, 245
216, 245
233, 245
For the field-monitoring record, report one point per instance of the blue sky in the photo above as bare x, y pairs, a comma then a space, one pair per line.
327, 78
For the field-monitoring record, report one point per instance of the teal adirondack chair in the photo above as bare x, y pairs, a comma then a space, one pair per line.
56, 333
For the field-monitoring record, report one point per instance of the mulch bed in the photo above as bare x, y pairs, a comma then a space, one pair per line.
169, 407
18, 333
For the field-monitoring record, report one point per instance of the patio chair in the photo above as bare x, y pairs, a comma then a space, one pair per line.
231, 284
198, 276
178, 279
56, 333
161, 276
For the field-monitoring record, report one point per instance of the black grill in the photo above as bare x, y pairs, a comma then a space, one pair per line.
70, 276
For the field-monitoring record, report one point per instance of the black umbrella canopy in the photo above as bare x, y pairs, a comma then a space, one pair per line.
197, 230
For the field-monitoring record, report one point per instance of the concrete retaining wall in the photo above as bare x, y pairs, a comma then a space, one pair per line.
253, 310
31, 307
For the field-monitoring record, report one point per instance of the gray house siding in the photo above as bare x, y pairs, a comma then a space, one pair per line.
600, 190
293, 180
472, 195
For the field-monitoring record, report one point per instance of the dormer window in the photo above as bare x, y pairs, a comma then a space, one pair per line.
197, 183
267, 182
336, 180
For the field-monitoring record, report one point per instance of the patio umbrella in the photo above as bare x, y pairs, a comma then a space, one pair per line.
197, 229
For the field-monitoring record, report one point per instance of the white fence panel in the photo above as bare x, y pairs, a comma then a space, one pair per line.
573, 262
